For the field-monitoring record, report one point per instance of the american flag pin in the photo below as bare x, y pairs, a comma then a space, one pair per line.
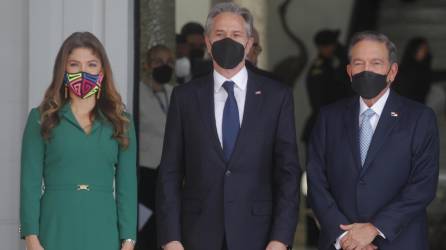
258, 92
394, 114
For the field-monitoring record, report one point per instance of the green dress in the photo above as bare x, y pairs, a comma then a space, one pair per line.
78, 190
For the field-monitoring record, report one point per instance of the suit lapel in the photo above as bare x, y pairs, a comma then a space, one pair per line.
205, 96
351, 123
253, 101
383, 130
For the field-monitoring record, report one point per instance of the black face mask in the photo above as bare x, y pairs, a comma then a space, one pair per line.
227, 53
162, 74
368, 84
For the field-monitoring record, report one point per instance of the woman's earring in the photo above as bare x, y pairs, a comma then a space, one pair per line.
66, 92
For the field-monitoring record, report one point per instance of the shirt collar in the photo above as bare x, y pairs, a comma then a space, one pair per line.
66, 112
240, 79
377, 107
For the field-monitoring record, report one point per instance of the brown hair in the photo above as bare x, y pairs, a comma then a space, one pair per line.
153, 51
109, 103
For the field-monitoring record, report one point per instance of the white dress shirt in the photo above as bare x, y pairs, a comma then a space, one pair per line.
220, 95
377, 107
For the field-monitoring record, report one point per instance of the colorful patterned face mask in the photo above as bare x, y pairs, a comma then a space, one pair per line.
83, 84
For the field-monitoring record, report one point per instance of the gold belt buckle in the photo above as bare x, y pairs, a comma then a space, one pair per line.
83, 187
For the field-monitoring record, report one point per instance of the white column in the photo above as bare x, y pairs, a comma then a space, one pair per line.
118, 41
13, 109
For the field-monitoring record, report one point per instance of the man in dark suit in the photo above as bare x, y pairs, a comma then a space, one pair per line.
229, 174
373, 159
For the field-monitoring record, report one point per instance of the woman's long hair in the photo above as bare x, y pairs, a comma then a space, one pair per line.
408, 60
109, 103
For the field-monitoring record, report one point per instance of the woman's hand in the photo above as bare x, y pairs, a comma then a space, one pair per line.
127, 245
33, 243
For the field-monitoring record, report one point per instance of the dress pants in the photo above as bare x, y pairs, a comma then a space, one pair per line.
146, 195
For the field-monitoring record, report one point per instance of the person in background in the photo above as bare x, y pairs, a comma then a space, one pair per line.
327, 81
193, 34
415, 76
182, 62
78, 163
254, 52
154, 97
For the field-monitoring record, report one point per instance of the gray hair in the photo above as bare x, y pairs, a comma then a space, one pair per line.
232, 8
377, 37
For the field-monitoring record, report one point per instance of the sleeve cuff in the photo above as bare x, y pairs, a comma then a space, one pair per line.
27, 230
337, 244
380, 233
127, 235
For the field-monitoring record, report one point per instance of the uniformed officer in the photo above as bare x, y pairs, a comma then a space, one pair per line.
327, 82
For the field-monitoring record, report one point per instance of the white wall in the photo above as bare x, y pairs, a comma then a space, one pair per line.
32, 32
13, 107
190, 11
305, 17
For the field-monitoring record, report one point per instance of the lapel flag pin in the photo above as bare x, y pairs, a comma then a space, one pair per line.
394, 114
258, 92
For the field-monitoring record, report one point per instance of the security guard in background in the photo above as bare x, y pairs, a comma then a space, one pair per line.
327, 82
327, 79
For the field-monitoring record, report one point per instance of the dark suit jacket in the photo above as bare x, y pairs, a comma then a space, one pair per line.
250, 200
253, 68
396, 183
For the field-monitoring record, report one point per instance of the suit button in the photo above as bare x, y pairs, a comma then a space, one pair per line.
228, 172
362, 182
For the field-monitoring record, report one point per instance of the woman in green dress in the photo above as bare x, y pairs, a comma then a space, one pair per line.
78, 165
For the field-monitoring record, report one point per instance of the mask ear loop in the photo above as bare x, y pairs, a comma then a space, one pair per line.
65, 86
387, 74
98, 94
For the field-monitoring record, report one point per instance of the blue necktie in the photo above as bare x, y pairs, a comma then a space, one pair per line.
231, 121
365, 133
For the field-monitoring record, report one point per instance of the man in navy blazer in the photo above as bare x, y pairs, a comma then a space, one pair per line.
373, 159
229, 174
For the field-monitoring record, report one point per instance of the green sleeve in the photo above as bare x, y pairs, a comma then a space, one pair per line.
126, 187
32, 160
